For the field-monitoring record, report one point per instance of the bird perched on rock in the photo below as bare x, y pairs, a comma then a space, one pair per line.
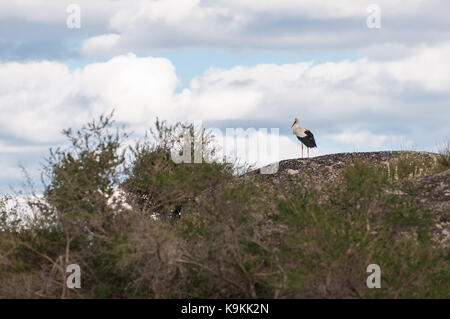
304, 135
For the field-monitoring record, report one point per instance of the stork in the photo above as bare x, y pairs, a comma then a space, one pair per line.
304, 135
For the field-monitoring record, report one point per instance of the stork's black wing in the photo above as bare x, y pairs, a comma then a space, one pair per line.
308, 140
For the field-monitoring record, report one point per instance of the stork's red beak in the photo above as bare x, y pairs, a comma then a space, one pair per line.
293, 124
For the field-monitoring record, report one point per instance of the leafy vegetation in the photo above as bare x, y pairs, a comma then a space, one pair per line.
142, 226
444, 156
329, 245
411, 165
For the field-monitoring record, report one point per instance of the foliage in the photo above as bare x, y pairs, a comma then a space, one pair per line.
411, 165
444, 156
143, 226
158, 185
328, 246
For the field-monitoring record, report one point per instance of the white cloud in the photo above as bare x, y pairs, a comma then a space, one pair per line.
287, 24
428, 68
376, 97
42, 98
33, 97
175, 10
100, 44
9, 171
55, 12
364, 139
138, 88
118, 27
8, 148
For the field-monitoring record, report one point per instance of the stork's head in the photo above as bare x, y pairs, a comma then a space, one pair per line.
296, 121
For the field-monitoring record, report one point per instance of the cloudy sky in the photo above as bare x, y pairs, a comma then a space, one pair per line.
228, 63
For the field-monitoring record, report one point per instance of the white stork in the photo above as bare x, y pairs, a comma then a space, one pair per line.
304, 135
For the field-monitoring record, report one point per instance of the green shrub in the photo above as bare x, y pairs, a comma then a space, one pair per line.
411, 165
444, 156
328, 246
199, 231
158, 185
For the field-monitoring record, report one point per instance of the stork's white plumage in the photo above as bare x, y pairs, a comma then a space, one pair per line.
304, 135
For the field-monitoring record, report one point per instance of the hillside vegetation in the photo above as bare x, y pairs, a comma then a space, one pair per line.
141, 226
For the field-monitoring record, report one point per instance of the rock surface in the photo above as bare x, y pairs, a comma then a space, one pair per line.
329, 166
433, 191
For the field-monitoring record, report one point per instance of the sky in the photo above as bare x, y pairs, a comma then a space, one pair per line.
361, 75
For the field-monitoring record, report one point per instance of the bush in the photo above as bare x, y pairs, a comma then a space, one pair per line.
411, 165
142, 226
157, 185
444, 156
328, 246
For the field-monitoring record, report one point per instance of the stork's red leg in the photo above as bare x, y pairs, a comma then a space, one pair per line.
302, 150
